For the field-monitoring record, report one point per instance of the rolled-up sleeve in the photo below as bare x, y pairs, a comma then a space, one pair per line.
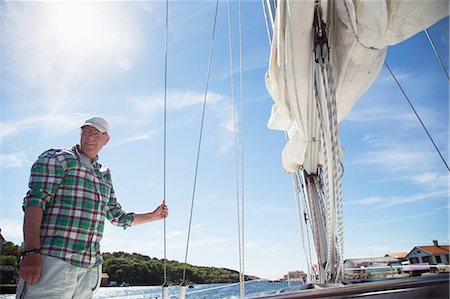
45, 177
116, 215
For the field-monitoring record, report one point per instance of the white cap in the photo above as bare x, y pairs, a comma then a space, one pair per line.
97, 122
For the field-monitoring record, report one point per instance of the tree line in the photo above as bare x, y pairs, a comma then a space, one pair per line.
138, 269
135, 269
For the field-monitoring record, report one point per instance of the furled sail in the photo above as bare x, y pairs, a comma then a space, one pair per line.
359, 33
324, 56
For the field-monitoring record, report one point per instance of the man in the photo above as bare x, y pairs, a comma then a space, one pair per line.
70, 195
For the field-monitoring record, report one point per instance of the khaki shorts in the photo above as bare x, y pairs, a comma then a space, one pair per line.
61, 280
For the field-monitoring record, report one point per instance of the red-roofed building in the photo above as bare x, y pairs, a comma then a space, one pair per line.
398, 255
431, 254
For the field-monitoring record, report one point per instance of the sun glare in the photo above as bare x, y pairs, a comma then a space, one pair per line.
59, 48
80, 27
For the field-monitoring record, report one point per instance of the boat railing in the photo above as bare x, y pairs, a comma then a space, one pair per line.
394, 271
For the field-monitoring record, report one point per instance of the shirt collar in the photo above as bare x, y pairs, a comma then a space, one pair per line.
76, 150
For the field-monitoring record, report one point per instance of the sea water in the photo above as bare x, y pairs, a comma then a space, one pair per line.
200, 291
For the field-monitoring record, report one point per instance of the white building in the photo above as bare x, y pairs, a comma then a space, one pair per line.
434, 254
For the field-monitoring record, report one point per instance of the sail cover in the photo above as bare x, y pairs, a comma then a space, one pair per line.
359, 33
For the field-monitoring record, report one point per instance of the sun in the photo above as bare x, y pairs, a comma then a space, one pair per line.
80, 27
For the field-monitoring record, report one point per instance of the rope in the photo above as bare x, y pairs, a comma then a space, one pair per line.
239, 199
301, 214
337, 165
165, 137
417, 115
200, 139
233, 105
321, 110
437, 53
241, 92
306, 211
269, 19
325, 95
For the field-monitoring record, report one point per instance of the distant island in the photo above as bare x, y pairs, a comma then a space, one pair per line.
132, 269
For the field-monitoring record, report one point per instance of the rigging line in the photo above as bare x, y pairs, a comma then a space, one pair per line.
165, 136
230, 44
241, 90
266, 17
233, 105
239, 199
417, 115
437, 53
302, 212
337, 163
200, 138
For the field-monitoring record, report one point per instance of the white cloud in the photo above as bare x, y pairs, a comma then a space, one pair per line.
379, 114
395, 159
433, 180
176, 100
179, 100
149, 8
12, 229
152, 240
399, 200
57, 124
393, 220
404, 158
205, 242
124, 64
367, 201
389, 201
386, 77
266, 209
12, 160
134, 138
218, 108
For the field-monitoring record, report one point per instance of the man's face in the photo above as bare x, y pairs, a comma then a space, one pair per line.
92, 141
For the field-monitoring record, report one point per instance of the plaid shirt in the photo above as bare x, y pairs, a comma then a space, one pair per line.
75, 200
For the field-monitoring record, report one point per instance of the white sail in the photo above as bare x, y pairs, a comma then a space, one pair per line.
359, 33
324, 56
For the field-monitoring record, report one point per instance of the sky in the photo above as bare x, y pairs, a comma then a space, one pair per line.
63, 62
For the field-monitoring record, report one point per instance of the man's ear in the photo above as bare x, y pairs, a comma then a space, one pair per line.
107, 139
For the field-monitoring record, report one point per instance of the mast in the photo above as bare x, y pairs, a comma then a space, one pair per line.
324, 56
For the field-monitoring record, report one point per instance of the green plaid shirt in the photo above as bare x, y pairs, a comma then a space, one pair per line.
75, 200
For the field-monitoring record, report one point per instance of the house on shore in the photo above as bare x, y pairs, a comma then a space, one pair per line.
294, 276
357, 268
400, 256
104, 280
431, 254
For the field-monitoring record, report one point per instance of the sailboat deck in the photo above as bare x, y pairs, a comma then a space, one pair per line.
431, 286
